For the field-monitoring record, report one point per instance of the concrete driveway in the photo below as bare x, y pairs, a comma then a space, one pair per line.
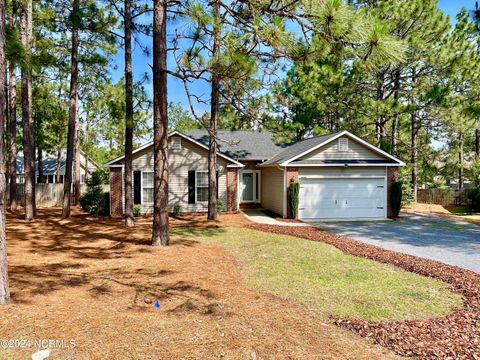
432, 237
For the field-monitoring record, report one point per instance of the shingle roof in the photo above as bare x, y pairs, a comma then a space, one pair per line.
298, 148
242, 144
49, 165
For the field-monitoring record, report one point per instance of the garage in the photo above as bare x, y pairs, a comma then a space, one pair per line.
350, 196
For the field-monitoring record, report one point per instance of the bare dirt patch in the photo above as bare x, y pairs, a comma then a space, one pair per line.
94, 281
456, 335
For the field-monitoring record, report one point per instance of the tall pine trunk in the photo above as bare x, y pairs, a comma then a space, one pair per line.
214, 107
40, 165
4, 287
160, 231
28, 140
12, 121
395, 120
76, 184
460, 161
57, 167
477, 143
129, 125
415, 128
72, 113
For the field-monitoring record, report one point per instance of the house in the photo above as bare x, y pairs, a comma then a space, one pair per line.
340, 175
50, 168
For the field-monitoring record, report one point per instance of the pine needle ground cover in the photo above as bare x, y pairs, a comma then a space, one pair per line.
95, 282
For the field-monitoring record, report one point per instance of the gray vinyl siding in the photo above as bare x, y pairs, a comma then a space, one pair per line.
356, 151
189, 157
273, 189
342, 172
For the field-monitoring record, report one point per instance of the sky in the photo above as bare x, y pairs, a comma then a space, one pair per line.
176, 92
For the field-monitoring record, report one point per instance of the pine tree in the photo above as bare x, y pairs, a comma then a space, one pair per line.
4, 286
26, 30
160, 231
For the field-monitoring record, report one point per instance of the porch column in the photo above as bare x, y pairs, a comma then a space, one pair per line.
392, 176
116, 204
291, 173
232, 189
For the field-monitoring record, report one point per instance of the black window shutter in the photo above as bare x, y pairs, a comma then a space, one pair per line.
137, 187
217, 185
191, 186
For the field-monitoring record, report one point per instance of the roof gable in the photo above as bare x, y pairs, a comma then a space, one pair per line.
119, 161
323, 150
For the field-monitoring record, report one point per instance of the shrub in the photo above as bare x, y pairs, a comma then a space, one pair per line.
220, 204
95, 201
396, 191
177, 209
474, 195
293, 190
136, 210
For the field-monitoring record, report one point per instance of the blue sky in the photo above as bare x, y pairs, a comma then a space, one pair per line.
176, 91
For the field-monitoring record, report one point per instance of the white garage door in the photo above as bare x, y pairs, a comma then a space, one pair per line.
342, 198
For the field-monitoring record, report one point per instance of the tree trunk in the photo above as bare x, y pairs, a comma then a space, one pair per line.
12, 121
414, 142
477, 143
460, 161
40, 165
395, 124
160, 231
58, 165
129, 125
72, 113
28, 140
214, 104
76, 187
4, 286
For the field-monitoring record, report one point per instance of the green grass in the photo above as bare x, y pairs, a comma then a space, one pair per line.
325, 279
459, 210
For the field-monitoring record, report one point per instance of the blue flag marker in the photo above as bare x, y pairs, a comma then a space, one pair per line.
157, 304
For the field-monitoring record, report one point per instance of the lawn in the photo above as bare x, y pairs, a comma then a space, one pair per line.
95, 282
224, 292
330, 282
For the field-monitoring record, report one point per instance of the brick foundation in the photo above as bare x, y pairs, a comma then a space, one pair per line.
392, 176
116, 194
232, 189
292, 173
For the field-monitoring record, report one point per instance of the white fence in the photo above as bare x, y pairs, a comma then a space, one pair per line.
47, 194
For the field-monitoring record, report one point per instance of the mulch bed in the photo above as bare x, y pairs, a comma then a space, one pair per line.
455, 336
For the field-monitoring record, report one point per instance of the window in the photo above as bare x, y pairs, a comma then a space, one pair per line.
82, 179
343, 144
20, 179
202, 186
147, 187
175, 143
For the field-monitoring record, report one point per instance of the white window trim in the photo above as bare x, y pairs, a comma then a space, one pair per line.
259, 188
142, 187
177, 141
196, 187
345, 142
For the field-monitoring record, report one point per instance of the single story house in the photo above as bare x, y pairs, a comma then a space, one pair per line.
50, 168
340, 175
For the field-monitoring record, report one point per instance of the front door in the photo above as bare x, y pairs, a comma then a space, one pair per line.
250, 186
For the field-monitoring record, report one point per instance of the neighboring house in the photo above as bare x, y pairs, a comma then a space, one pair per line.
340, 175
49, 167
